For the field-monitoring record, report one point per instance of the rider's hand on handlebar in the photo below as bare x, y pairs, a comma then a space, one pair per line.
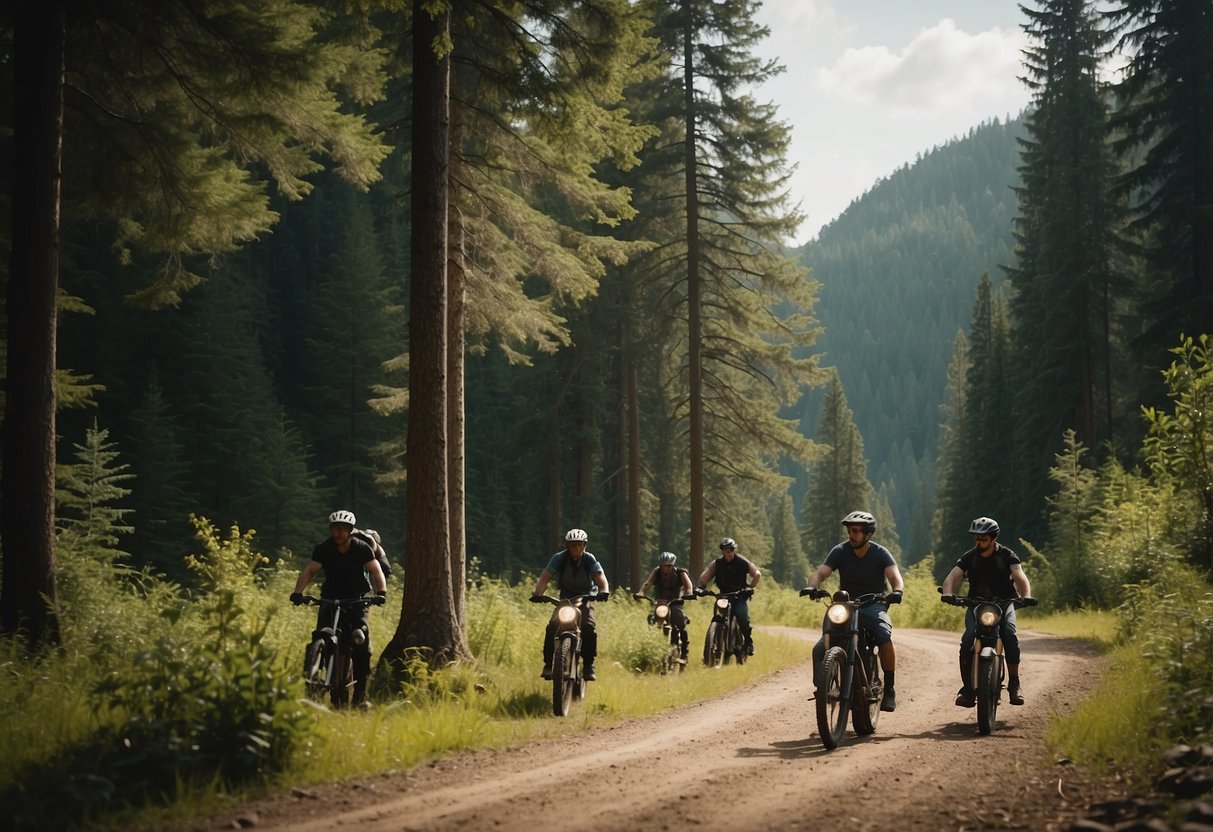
700, 591
602, 596
380, 599
950, 599
296, 598
1027, 601
638, 595
893, 597
538, 599
814, 592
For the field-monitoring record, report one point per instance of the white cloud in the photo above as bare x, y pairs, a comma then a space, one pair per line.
942, 69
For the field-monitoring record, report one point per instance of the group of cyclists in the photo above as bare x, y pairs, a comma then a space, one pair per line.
349, 561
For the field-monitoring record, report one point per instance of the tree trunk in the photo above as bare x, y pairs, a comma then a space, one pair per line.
633, 407
427, 618
456, 451
694, 324
28, 598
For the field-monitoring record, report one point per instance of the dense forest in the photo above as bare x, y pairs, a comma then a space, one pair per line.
899, 271
301, 254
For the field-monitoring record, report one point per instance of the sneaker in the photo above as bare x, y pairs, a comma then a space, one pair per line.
889, 702
965, 699
588, 675
1014, 693
749, 648
547, 671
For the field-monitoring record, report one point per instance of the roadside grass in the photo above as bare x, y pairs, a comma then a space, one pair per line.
1116, 728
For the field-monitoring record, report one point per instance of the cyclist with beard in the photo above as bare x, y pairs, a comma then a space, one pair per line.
994, 571
865, 567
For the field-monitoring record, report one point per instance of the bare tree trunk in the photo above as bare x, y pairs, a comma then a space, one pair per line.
694, 322
28, 598
427, 618
456, 450
633, 408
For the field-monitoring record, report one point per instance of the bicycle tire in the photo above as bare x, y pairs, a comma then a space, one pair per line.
832, 706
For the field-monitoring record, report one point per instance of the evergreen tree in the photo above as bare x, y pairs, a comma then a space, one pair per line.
949, 517
161, 113
838, 482
1161, 131
1065, 292
1072, 508
789, 566
160, 492
90, 518
739, 304
981, 475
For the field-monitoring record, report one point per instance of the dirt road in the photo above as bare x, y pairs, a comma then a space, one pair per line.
753, 761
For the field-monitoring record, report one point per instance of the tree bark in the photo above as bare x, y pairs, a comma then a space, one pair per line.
456, 450
694, 322
428, 620
28, 598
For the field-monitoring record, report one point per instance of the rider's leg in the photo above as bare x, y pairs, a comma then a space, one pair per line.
549, 647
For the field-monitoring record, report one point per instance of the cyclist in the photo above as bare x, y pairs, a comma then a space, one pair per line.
350, 569
670, 582
576, 571
730, 571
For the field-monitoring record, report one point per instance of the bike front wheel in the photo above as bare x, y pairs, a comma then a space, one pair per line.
989, 691
562, 681
832, 706
315, 670
713, 645
342, 676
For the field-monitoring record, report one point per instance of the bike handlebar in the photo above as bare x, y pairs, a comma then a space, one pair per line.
748, 592
364, 601
966, 601
859, 601
548, 599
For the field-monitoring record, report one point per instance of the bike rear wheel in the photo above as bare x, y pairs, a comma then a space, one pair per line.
989, 691
562, 687
832, 707
865, 701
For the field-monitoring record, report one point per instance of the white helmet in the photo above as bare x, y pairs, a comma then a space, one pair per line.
861, 518
343, 516
666, 558
576, 536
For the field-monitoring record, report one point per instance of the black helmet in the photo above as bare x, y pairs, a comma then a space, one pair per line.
984, 525
861, 518
728, 543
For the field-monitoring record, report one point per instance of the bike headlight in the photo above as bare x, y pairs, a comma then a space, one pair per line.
662, 611
722, 604
566, 615
988, 615
838, 613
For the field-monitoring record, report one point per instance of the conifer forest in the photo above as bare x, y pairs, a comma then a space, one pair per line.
480, 272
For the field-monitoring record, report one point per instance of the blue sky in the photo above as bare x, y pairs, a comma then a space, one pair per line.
871, 84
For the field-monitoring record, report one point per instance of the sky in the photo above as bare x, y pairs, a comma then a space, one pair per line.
871, 84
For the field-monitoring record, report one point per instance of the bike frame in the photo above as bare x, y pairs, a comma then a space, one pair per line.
330, 667
848, 681
568, 683
988, 667
723, 640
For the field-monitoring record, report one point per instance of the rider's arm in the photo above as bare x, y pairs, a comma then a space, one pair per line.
542, 583
601, 580
305, 577
755, 576
1020, 578
707, 574
893, 575
687, 588
818, 577
378, 581
949, 583
645, 586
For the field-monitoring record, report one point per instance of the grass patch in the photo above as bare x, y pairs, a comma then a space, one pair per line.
1117, 726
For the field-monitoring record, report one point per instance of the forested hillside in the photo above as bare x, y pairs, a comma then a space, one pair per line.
899, 271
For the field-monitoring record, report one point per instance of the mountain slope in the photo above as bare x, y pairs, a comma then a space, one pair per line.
898, 273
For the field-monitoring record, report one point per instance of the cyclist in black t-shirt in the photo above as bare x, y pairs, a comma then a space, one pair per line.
994, 571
